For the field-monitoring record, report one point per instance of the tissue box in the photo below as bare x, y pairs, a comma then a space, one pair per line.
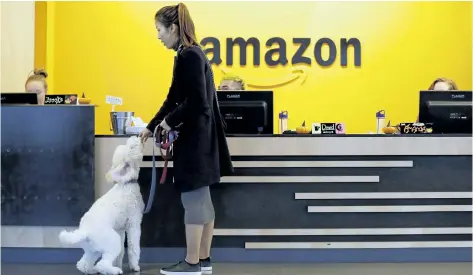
134, 130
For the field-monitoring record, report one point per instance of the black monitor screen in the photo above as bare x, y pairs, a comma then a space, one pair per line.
247, 112
448, 111
19, 98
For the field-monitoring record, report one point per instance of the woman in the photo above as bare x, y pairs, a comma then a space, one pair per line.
443, 84
36, 83
200, 153
231, 83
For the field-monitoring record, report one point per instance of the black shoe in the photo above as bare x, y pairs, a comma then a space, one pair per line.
182, 268
206, 266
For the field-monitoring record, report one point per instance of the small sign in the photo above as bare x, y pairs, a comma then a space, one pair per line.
328, 128
113, 100
70, 99
316, 128
415, 128
340, 128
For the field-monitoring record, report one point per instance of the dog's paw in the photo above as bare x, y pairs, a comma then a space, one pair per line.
116, 270
118, 263
108, 269
112, 271
85, 268
134, 268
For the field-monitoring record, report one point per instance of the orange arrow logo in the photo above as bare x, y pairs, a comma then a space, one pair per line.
297, 73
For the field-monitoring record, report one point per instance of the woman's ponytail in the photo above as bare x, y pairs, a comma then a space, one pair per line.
186, 26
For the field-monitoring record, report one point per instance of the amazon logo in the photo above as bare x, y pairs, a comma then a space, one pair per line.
292, 75
276, 52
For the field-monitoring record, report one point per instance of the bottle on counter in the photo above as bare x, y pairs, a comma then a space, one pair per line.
283, 117
380, 121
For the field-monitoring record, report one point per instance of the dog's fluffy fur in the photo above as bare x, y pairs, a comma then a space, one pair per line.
102, 229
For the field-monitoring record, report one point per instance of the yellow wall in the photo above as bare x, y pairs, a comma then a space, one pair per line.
102, 48
40, 34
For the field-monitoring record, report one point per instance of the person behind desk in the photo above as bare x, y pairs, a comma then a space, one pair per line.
36, 83
443, 84
231, 83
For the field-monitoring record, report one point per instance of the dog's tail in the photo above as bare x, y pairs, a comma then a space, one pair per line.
72, 237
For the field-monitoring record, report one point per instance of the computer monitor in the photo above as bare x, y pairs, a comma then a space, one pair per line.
247, 112
18, 98
448, 111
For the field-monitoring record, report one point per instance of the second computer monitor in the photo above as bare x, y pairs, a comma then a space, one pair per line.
448, 111
247, 112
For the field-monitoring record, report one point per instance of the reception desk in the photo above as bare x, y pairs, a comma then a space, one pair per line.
350, 198
47, 174
47, 166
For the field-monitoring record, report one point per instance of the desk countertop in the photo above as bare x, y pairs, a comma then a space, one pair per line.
318, 136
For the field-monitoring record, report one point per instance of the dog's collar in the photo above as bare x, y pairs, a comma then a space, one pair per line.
127, 182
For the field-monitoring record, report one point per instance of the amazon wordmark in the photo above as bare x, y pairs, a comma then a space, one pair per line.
276, 53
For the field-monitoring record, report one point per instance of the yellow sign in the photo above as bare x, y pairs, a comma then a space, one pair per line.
101, 48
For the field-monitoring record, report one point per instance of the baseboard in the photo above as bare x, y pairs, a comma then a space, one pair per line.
167, 255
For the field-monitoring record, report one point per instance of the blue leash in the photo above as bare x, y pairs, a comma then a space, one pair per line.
167, 145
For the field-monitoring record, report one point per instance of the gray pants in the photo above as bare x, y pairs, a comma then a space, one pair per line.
198, 206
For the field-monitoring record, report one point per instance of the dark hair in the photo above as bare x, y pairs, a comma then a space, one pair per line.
180, 16
38, 75
451, 84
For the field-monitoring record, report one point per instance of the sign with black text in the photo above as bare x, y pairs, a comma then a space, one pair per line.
415, 128
328, 128
70, 99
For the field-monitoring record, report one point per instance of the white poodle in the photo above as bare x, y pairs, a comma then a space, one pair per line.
101, 232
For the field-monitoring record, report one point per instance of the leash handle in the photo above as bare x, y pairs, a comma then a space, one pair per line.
167, 145
153, 175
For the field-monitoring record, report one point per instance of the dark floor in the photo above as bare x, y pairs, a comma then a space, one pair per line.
273, 269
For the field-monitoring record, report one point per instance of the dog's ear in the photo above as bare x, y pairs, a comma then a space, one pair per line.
120, 154
108, 177
115, 173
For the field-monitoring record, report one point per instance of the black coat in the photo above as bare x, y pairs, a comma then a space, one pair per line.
200, 153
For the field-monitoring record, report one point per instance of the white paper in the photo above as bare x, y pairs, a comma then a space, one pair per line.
113, 100
138, 122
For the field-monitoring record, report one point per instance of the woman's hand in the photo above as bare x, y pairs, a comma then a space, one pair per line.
145, 134
165, 126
